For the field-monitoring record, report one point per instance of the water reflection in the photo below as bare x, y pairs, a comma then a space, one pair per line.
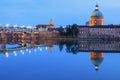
96, 58
95, 48
71, 46
75, 46
63, 59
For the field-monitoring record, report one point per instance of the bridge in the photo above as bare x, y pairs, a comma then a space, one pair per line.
22, 29
21, 48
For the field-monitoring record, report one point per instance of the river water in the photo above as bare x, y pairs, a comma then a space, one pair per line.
59, 60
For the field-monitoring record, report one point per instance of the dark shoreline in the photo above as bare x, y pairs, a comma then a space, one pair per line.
86, 39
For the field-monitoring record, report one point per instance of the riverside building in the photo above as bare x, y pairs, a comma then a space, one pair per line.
97, 29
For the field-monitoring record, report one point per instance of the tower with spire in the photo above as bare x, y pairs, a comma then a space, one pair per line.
51, 24
45, 26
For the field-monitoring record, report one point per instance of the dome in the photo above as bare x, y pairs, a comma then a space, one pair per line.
97, 62
96, 12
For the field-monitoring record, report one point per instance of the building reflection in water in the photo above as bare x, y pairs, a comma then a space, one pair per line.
97, 59
23, 43
74, 47
3, 46
32, 44
51, 49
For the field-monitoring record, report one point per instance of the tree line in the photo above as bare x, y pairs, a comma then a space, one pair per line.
72, 46
69, 30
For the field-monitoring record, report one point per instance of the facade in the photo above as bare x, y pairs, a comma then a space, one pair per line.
106, 31
96, 17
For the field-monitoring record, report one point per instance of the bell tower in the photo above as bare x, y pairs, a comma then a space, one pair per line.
51, 24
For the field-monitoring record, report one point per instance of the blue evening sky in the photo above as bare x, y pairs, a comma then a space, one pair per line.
63, 12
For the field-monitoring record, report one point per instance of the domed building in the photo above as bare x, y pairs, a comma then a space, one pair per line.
96, 17
96, 59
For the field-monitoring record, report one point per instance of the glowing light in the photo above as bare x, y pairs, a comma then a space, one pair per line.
34, 50
21, 51
40, 49
97, 7
46, 48
96, 67
22, 26
29, 51
15, 25
14, 51
7, 54
63, 26
15, 54
7, 25
26, 49
29, 27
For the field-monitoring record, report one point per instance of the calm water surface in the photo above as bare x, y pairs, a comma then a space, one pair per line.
60, 60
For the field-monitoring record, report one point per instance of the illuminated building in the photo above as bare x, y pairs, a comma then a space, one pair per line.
45, 26
97, 29
96, 17
3, 36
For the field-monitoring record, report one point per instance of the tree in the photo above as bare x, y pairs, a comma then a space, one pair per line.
74, 30
61, 31
69, 31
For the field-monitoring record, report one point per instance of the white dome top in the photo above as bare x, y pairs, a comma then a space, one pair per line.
96, 12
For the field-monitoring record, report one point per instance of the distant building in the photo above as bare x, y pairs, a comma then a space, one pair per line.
96, 17
45, 26
87, 23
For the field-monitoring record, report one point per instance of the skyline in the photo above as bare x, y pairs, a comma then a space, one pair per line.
29, 12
